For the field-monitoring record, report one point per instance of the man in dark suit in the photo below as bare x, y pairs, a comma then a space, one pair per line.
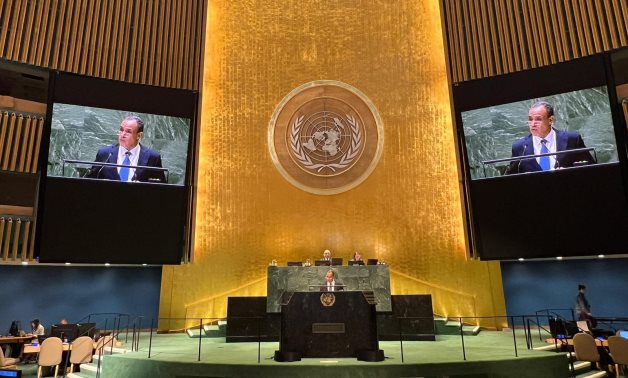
331, 284
128, 152
545, 139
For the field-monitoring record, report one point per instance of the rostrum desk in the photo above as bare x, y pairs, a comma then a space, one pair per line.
328, 324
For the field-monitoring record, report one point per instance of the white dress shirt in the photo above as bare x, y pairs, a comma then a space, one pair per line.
134, 157
330, 286
550, 144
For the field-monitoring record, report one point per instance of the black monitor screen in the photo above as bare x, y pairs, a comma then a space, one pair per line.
116, 184
87, 329
81, 134
495, 133
65, 331
543, 152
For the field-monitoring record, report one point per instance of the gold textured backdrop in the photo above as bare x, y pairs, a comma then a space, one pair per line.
408, 212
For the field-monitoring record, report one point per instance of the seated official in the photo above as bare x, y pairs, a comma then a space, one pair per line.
326, 255
331, 284
357, 259
37, 328
326, 260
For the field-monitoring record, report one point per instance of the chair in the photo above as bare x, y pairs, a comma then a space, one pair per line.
50, 353
618, 346
6, 362
583, 326
585, 348
82, 350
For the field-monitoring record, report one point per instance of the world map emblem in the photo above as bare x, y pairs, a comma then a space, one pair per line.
325, 137
328, 299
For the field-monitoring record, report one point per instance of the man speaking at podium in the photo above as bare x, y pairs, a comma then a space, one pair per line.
544, 139
128, 152
330, 282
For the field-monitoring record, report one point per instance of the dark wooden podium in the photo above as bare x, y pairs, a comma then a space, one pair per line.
328, 324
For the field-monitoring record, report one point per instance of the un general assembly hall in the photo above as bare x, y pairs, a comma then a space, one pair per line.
347, 188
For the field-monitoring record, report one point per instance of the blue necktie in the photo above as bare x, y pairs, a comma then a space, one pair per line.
544, 161
124, 171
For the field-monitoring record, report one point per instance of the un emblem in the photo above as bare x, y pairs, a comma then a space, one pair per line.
325, 137
328, 299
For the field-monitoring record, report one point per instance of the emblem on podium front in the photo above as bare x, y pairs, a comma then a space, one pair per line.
325, 137
328, 299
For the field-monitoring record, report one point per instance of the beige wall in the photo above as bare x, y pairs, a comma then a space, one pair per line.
408, 212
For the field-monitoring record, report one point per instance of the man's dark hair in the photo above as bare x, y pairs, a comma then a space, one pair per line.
140, 123
546, 105
581, 287
332, 273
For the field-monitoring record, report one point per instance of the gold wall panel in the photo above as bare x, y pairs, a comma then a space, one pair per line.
141, 41
486, 37
408, 212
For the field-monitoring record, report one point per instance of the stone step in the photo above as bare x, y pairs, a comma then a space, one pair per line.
592, 374
452, 327
452, 323
114, 350
581, 367
87, 371
547, 347
90, 367
470, 330
210, 330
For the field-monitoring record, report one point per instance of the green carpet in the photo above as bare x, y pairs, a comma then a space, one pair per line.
490, 354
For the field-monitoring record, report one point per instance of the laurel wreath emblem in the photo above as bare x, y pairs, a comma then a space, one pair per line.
345, 160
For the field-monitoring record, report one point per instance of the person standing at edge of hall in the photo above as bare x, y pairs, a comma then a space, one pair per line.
583, 308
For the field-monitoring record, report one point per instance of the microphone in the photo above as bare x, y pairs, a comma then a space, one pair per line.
522, 154
102, 166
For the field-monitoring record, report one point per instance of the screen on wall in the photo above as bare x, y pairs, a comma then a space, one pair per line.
544, 156
116, 184
497, 136
82, 137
